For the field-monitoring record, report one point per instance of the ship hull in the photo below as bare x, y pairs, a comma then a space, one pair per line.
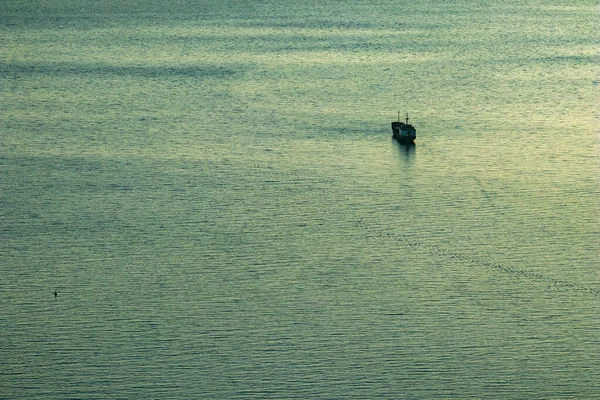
404, 139
404, 133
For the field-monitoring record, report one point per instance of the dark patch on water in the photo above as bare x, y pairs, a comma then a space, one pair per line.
17, 69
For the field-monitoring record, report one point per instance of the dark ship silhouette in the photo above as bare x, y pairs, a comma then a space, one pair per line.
403, 132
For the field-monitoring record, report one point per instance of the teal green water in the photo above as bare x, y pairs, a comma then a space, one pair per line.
213, 191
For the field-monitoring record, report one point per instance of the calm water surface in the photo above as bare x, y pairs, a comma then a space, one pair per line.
213, 191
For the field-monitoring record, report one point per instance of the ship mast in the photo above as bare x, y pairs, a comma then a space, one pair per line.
399, 117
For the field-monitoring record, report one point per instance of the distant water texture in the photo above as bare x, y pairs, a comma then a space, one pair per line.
212, 190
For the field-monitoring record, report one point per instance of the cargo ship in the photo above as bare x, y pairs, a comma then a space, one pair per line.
403, 132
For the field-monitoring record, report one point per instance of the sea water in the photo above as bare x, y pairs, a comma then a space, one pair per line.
212, 190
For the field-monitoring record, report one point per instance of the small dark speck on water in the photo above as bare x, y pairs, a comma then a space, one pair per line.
55, 294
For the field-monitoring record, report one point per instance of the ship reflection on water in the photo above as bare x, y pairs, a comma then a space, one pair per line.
405, 149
